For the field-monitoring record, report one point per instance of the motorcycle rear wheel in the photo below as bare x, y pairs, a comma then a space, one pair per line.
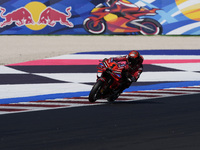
88, 25
112, 98
153, 24
95, 92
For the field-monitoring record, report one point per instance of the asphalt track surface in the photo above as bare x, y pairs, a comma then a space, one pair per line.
170, 123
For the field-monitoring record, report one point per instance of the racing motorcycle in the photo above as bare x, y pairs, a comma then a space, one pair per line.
103, 20
109, 77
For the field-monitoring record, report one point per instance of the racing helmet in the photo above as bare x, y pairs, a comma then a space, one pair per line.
133, 57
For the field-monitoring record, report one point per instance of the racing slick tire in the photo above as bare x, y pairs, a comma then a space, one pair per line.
95, 92
88, 25
112, 98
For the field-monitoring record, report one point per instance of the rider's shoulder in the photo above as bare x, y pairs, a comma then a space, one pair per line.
124, 57
141, 58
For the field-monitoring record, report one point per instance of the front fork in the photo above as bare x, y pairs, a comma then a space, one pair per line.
109, 85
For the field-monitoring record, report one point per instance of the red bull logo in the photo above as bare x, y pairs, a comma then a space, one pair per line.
50, 16
20, 16
36, 16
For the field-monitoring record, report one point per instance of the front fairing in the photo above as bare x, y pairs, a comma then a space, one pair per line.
111, 76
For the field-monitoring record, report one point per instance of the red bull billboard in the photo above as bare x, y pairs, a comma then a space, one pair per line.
130, 17
35, 16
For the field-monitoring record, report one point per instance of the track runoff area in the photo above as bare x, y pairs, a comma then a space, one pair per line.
65, 81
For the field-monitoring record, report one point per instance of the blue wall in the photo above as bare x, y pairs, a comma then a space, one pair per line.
172, 16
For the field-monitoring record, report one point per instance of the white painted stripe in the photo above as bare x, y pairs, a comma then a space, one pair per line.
148, 57
62, 105
164, 57
161, 96
145, 77
25, 90
158, 91
138, 93
169, 76
71, 77
195, 86
1, 113
20, 107
7, 70
137, 98
184, 66
189, 90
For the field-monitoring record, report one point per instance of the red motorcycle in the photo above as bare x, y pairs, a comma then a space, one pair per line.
108, 83
117, 22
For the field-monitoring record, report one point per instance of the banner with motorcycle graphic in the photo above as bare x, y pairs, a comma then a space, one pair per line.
146, 17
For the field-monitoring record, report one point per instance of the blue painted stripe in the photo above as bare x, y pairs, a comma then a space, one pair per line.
86, 93
163, 86
42, 97
148, 52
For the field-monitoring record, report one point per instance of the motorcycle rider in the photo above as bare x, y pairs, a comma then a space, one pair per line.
123, 6
132, 69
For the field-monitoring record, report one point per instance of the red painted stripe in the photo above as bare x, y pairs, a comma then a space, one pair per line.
33, 105
47, 62
160, 92
182, 90
73, 102
11, 110
192, 87
124, 99
97, 100
138, 95
175, 93
172, 61
77, 98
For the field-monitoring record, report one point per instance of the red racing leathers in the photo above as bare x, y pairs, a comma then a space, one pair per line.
130, 73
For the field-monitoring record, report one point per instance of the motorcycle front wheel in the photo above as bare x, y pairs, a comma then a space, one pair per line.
88, 25
153, 27
95, 92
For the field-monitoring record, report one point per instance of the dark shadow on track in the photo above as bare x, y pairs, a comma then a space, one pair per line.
158, 124
139, 102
